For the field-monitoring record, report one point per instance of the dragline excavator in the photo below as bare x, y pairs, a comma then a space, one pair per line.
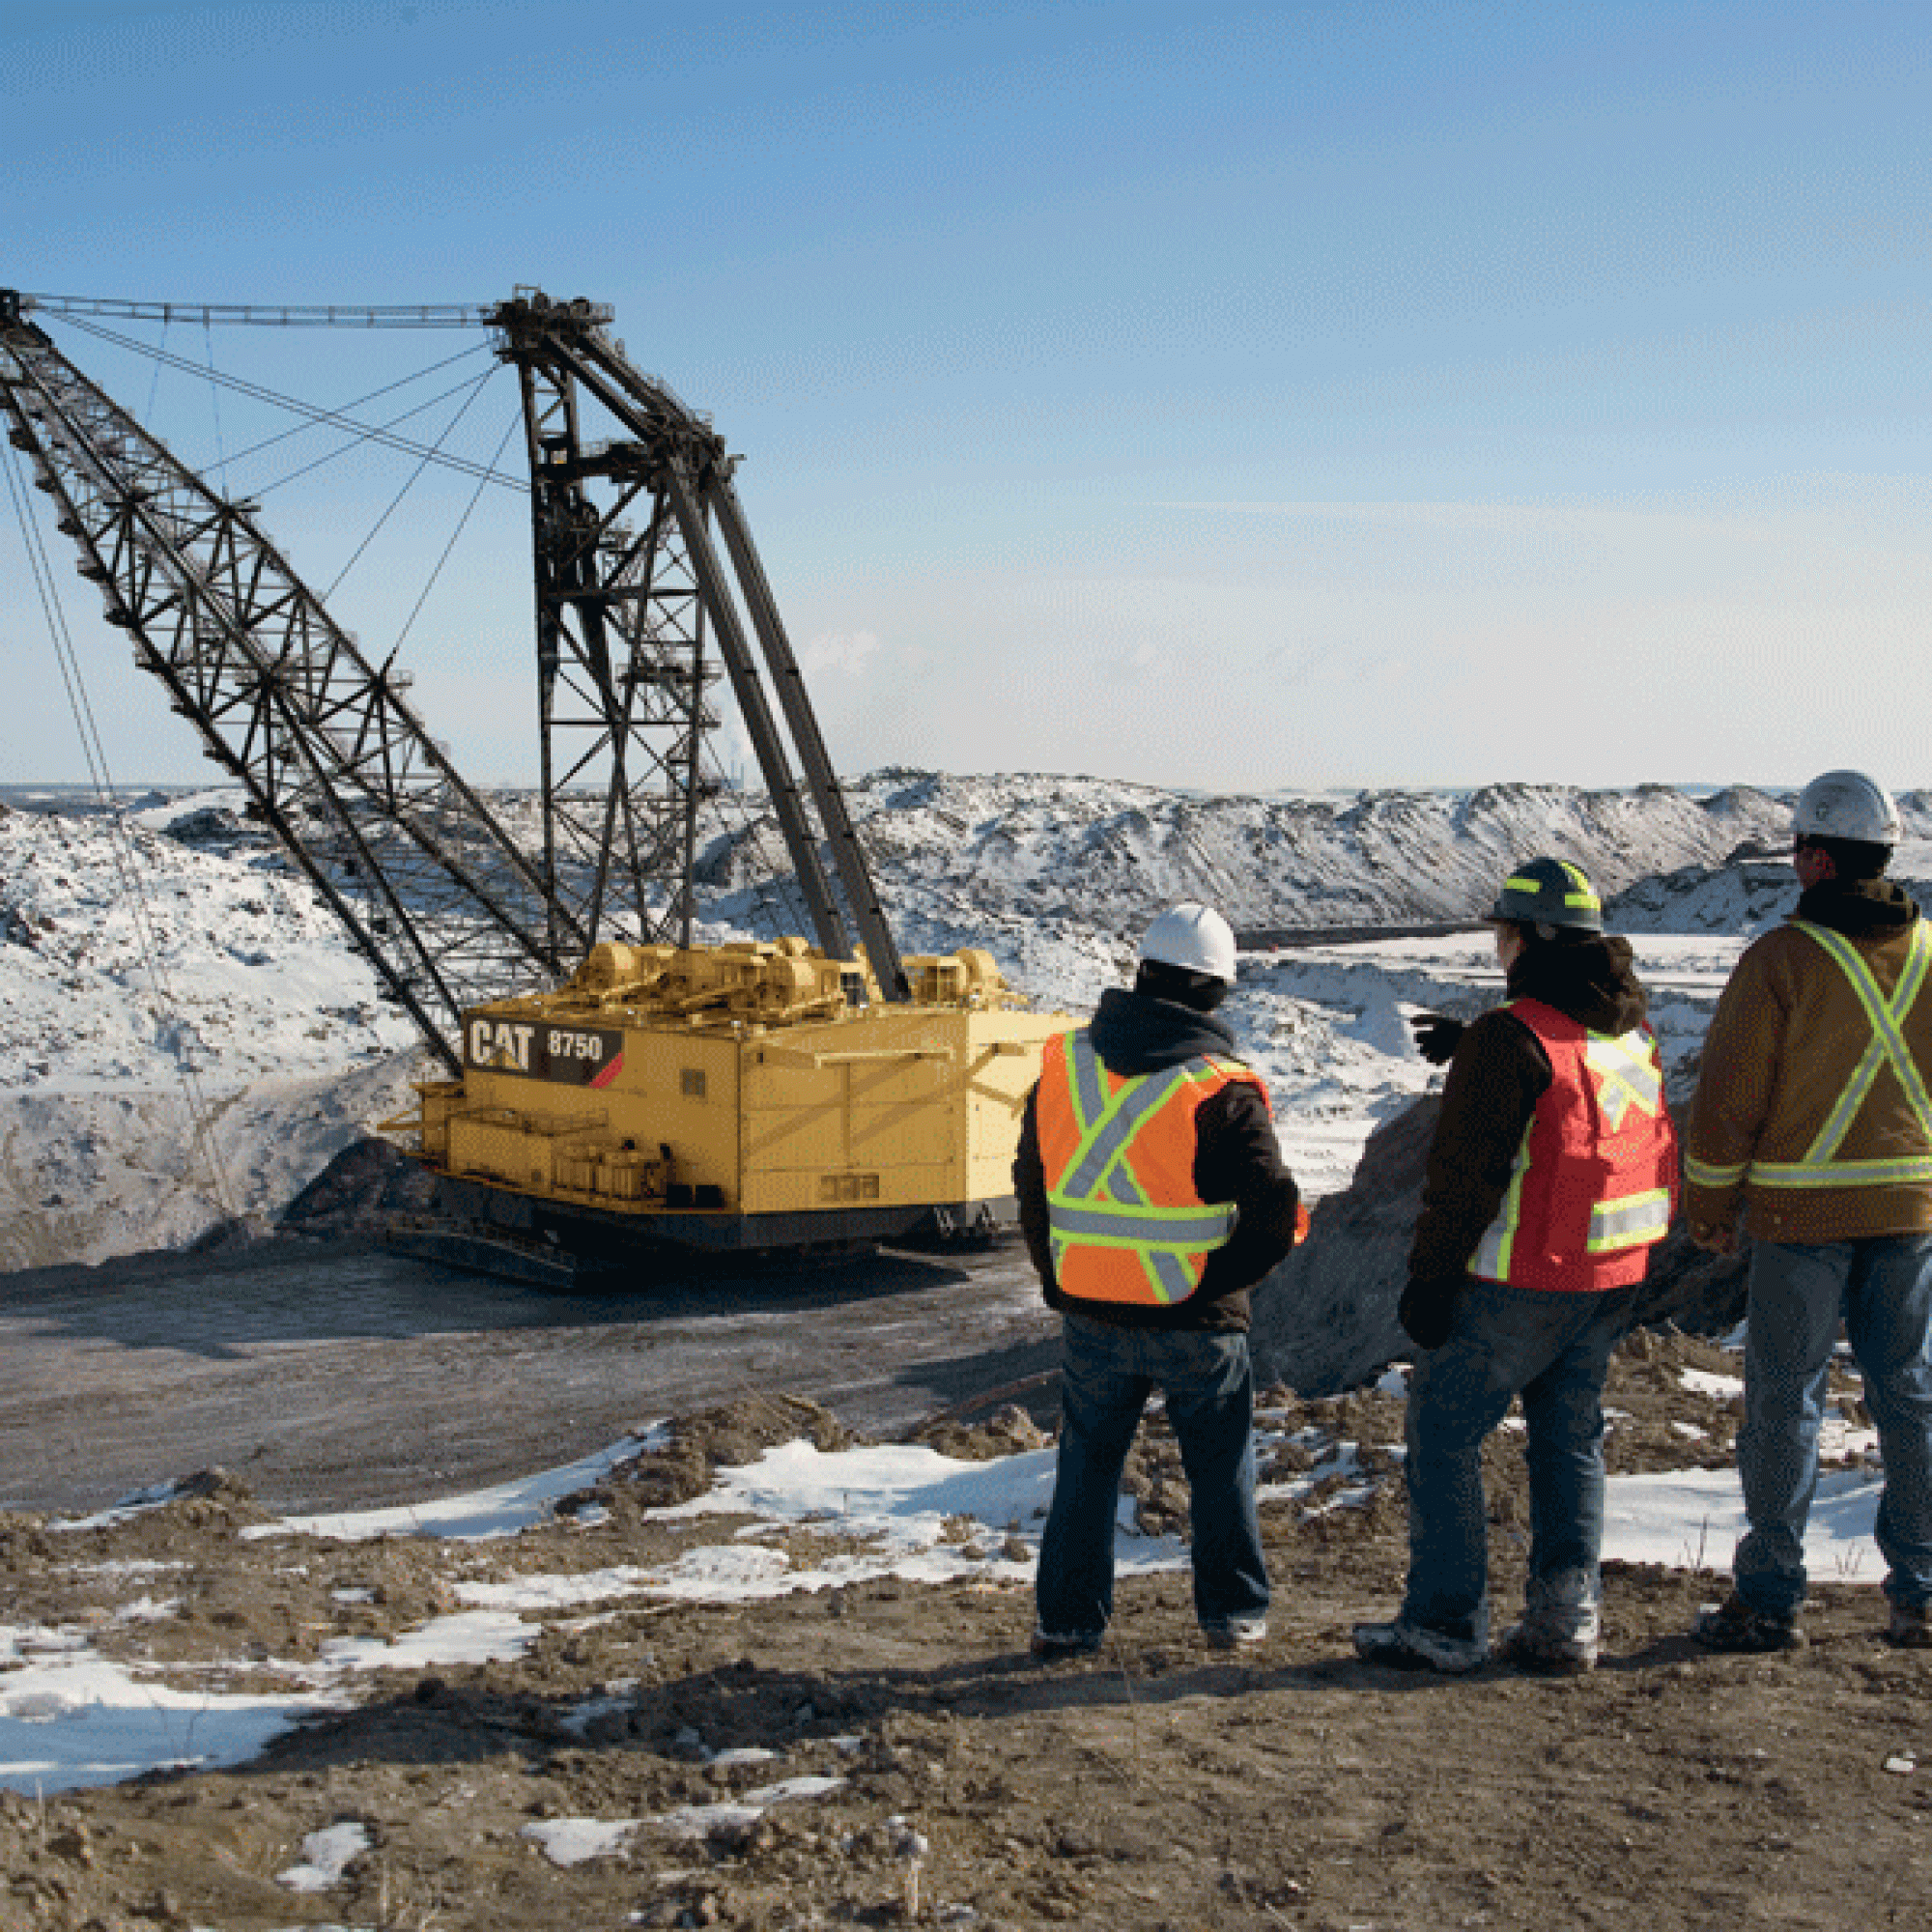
605, 1081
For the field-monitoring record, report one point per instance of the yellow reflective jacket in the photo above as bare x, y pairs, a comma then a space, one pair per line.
1812, 1106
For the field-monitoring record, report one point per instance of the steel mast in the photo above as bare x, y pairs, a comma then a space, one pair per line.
629, 591
430, 885
633, 594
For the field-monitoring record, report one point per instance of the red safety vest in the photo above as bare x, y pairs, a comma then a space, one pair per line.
1596, 1175
1119, 1155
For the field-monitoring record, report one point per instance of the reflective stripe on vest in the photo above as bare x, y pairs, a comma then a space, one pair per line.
1492, 1258
1171, 1242
1625, 1078
1621, 1074
1820, 1166
1637, 1221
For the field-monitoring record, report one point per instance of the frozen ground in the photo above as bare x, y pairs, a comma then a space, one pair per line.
742, 1670
71, 1717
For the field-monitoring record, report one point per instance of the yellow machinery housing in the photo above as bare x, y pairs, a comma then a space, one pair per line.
741, 1096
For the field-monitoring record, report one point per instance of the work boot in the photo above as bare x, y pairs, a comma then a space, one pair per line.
1527, 1647
1734, 1625
1911, 1626
1407, 1646
1561, 1625
1056, 1646
1237, 1634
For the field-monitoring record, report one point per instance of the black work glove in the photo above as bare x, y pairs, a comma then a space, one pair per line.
1427, 1310
1436, 1036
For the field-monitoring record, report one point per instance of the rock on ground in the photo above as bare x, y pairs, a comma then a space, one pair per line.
368, 1183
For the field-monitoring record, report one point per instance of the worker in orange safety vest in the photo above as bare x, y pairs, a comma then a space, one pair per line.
1152, 1196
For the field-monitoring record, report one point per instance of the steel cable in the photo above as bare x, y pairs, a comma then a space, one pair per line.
475, 497
477, 389
260, 393
126, 865
401, 382
427, 456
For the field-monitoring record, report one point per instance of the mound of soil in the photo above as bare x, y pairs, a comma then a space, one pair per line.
369, 1183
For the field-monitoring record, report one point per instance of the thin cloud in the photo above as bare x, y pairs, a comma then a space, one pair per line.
846, 653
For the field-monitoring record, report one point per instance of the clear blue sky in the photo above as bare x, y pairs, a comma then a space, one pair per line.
1220, 395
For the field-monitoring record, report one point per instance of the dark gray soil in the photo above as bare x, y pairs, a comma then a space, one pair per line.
332, 1376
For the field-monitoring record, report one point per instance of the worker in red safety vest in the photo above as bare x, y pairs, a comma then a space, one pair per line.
1552, 1176
1152, 1196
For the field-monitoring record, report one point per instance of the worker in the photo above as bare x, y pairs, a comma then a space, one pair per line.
1551, 1176
1152, 1196
1811, 1131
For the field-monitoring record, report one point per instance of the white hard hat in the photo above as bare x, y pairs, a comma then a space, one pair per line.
1846, 805
1195, 937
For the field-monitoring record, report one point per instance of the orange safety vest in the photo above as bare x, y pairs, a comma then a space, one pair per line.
1596, 1175
1118, 1151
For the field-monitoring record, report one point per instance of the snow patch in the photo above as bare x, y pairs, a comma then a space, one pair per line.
327, 1857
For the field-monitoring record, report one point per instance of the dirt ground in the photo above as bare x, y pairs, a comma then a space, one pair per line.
1155, 1788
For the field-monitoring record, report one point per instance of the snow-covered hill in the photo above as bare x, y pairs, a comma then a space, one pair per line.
1745, 896
1109, 855
189, 1037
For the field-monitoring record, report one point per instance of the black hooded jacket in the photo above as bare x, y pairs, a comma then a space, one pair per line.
1498, 1075
1236, 1158
1859, 908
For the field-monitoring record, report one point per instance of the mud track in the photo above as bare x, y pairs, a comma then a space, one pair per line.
332, 1377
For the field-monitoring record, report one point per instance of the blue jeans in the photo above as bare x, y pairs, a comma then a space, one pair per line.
1208, 1381
1553, 1351
1882, 1288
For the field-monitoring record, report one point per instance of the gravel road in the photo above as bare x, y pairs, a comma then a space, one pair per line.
336, 1377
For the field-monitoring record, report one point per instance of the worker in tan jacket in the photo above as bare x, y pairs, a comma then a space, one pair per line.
1812, 1132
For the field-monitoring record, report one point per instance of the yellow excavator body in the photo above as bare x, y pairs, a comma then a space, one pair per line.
743, 1094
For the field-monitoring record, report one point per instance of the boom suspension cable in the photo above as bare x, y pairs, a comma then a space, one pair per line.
241, 387
401, 381
130, 872
462, 522
409, 483
474, 384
